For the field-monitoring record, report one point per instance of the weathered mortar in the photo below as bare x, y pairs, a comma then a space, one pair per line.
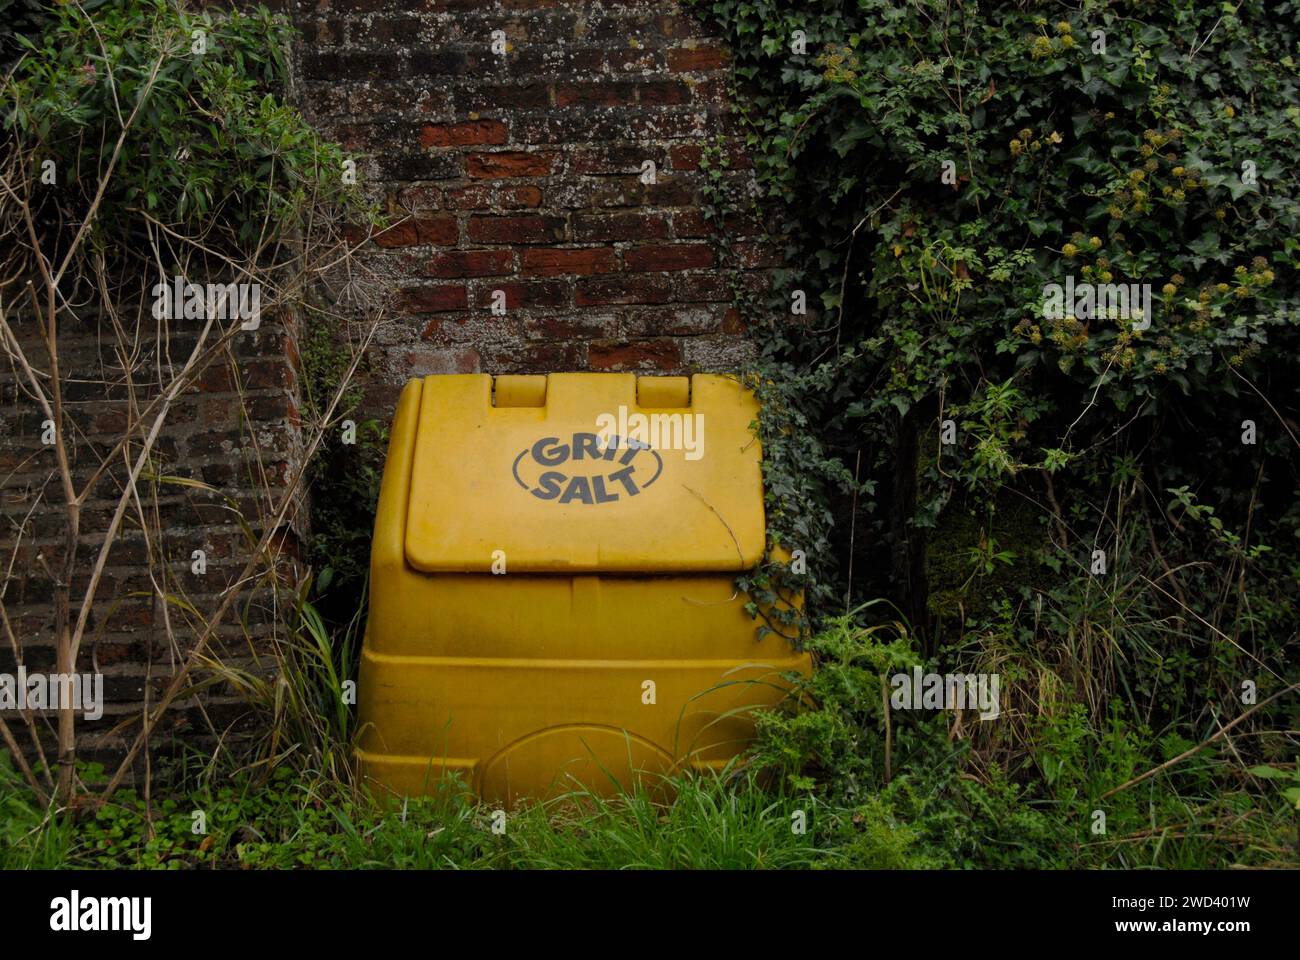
521, 172
236, 432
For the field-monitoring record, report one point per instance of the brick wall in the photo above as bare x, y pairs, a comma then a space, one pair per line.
235, 433
522, 172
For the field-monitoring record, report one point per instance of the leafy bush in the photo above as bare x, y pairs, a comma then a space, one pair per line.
212, 144
918, 789
1099, 510
1113, 167
145, 142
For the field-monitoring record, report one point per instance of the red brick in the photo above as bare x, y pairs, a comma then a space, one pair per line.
688, 59
355, 137
637, 355
384, 31
424, 362
757, 255
217, 378
396, 98
739, 224
713, 92
671, 25
671, 321
471, 263
691, 223
514, 163
535, 293
672, 192
516, 173
621, 158
523, 4
620, 226
635, 61
122, 651
125, 617
414, 230
434, 326
543, 60
322, 33
268, 373
669, 256
603, 94
485, 196
525, 229
424, 196
621, 289
590, 193
275, 408
434, 299
702, 288
686, 156
581, 324
538, 356
465, 134
549, 261
756, 282
448, 6
490, 96
663, 93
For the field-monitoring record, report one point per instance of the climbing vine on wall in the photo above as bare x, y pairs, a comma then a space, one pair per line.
942, 165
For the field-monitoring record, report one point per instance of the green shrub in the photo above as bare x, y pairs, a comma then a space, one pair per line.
193, 99
1068, 500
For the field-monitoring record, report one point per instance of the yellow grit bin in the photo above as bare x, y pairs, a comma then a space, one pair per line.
552, 595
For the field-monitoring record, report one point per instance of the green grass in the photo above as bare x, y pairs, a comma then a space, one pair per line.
835, 780
936, 819
871, 787
291, 822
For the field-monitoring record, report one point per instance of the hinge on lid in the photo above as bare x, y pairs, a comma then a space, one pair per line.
655, 392
519, 391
